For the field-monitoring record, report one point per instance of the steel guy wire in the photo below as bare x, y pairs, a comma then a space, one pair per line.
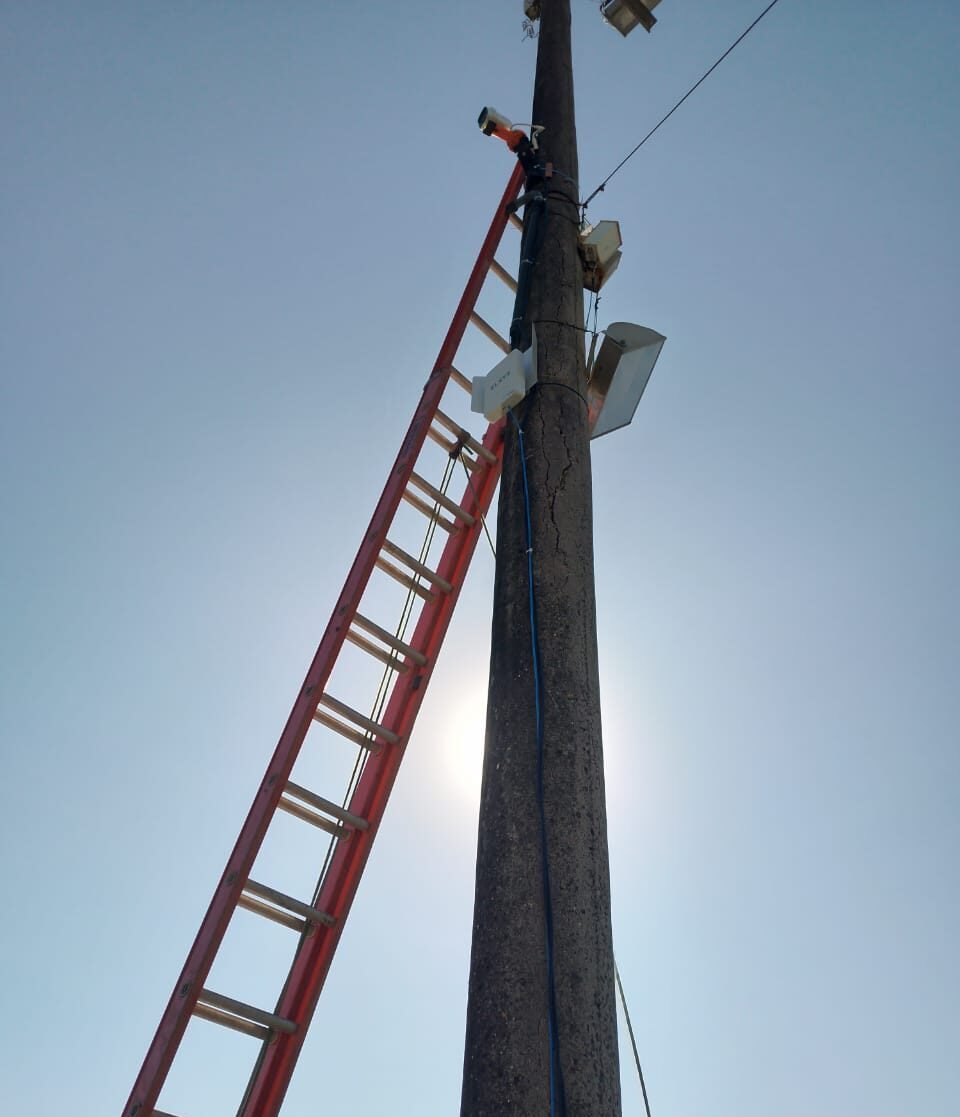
693, 88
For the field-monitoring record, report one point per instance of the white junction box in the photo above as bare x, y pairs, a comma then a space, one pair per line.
506, 384
600, 252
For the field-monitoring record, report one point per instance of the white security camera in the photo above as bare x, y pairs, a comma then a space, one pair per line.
490, 120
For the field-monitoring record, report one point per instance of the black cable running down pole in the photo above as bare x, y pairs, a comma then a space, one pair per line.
529, 249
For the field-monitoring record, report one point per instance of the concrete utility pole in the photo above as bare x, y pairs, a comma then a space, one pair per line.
507, 1062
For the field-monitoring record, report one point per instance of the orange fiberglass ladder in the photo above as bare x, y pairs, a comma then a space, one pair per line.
382, 738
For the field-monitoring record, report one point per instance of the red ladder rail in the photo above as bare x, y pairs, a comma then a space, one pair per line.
283, 1031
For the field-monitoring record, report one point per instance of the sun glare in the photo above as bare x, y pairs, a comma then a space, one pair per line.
463, 754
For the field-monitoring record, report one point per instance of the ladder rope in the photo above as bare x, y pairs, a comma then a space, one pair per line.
362, 753
381, 700
483, 519
386, 678
363, 756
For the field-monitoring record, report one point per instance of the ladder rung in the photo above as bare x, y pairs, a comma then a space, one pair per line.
442, 499
501, 273
243, 1013
450, 447
454, 428
458, 378
418, 567
228, 1020
358, 719
364, 740
348, 817
298, 810
282, 900
258, 907
404, 579
391, 641
429, 511
391, 659
489, 332
515, 221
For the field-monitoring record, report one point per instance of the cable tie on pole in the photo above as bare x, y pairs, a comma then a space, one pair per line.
567, 387
557, 322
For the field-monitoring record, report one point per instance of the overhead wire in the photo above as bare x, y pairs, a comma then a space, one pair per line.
693, 88
594, 308
633, 1042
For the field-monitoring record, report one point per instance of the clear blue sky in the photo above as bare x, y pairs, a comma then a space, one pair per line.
232, 239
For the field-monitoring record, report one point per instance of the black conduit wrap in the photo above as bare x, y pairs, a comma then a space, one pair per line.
533, 228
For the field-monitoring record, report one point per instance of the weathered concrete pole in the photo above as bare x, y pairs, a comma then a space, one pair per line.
507, 1062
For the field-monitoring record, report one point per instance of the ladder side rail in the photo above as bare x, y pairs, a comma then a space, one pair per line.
312, 963
176, 1016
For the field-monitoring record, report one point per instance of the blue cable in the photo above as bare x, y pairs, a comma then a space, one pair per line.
556, 1078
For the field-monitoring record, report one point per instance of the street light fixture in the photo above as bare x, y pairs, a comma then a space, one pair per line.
625, 15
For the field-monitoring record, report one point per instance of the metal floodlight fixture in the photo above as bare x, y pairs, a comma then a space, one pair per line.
625, 15
620, 374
